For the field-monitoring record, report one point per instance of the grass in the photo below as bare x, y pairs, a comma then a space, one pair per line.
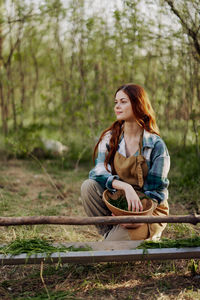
42, 198
27, 189
169, 243
36, 245
60, 295
170, 280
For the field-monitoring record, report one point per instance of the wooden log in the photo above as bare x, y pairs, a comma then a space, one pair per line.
65, 220
103, 256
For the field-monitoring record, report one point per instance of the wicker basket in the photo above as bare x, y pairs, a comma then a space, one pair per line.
146, 203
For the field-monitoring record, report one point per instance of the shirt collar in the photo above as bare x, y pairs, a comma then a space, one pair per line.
148, 139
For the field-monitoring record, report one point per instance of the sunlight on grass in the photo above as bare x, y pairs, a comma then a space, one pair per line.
26, 190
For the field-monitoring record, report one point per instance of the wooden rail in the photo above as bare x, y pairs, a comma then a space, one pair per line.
65, 220
103, 256
103, 251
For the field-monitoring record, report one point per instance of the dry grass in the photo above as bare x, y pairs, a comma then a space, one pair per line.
29, 191
26, 189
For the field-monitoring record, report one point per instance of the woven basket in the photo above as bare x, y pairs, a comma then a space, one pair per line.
146, 203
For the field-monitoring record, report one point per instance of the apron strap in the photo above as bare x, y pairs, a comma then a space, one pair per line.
140, 160
140, 144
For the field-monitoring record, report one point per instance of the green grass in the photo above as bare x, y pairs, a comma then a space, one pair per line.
169, 243
26, 189
53, 295
36, 245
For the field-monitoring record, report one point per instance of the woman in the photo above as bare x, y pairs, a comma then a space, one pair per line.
131, 157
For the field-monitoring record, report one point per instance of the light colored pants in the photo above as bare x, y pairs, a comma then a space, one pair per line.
91, 194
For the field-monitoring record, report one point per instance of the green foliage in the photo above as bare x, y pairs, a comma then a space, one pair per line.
22, 142
36, 245
169, 243
193, 267
52, 295
185, 160
184, 177
66, 64
121, 203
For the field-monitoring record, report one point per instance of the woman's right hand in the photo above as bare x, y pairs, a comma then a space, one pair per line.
132, 198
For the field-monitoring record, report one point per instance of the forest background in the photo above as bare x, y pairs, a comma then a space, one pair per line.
60, 65
61, 62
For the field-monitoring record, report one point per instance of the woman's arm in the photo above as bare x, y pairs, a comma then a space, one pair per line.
133, 200
156, 183
99, 172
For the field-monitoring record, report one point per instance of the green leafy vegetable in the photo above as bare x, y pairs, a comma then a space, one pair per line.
168, 243
33, 246
120, 202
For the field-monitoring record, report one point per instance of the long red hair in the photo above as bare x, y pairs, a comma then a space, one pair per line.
144, 116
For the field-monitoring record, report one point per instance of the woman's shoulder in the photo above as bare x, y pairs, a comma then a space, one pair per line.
154, 145
151, 139
105, 141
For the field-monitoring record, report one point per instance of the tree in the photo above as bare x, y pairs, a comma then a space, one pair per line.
189, 15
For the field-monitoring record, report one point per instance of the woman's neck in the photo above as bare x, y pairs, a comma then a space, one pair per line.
132, 129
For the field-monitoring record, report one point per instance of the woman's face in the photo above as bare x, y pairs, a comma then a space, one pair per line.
123, 108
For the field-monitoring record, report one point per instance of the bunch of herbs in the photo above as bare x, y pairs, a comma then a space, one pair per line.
169, 243
36, 245
120, 202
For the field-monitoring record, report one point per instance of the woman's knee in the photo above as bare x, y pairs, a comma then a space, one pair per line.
90, 189
87, 186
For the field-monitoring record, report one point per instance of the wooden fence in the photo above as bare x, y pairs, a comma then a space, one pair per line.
103, 251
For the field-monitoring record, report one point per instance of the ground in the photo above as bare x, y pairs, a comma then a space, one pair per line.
31, 187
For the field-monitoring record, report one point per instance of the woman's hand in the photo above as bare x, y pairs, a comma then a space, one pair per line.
132, 198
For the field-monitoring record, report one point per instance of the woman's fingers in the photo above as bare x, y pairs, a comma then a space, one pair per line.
140, 205
135, 205
130, 205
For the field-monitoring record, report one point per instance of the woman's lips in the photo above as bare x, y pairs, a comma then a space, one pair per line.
118, 112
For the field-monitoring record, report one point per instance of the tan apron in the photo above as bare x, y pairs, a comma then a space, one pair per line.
134, 170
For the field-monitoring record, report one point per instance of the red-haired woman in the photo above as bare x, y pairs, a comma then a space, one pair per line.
131, 157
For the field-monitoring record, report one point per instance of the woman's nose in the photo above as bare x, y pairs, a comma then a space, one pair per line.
117, 105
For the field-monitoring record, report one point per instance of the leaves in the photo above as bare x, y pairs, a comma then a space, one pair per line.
36, 245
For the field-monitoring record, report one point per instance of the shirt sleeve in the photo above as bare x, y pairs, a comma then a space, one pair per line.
156, 183
99, 172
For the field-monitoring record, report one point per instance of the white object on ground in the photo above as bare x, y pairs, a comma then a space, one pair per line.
54, 146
